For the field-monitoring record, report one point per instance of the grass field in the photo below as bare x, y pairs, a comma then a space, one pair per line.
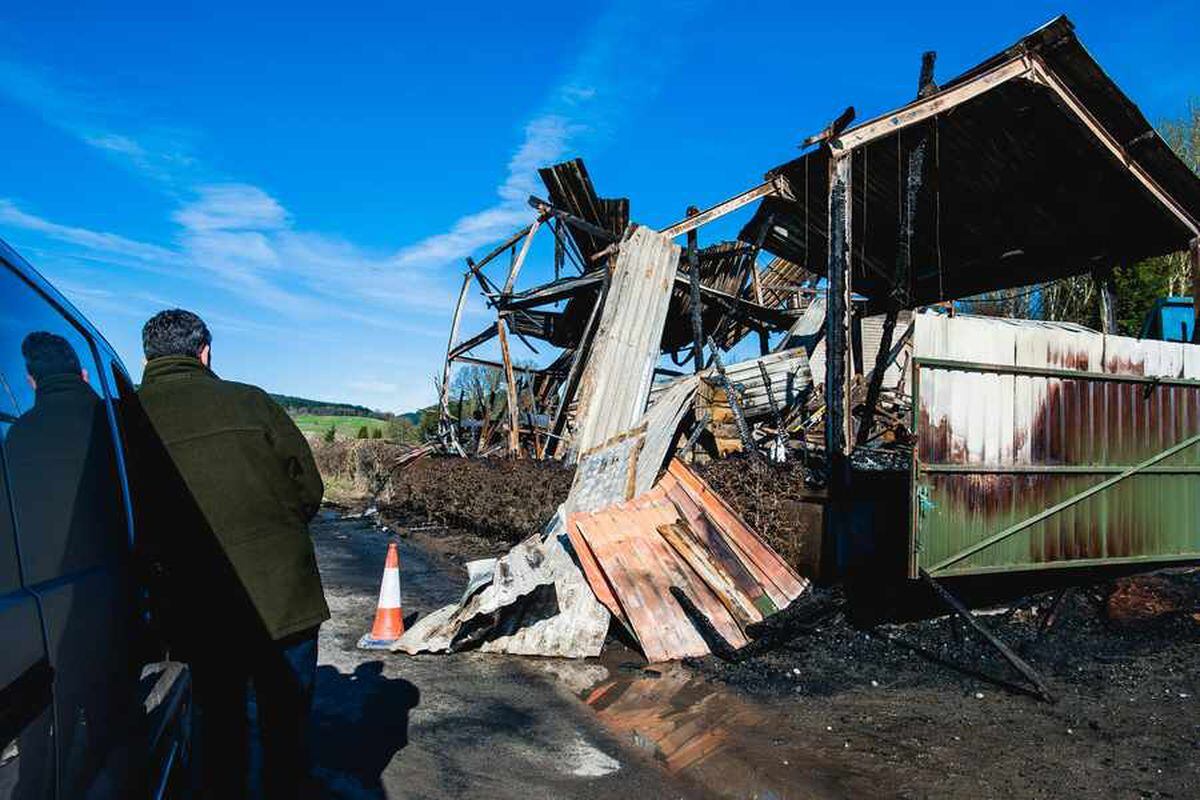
347, 427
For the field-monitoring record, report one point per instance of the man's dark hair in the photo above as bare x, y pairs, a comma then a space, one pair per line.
174, 332
48, 354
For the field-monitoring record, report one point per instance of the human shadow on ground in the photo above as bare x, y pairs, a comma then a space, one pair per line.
360, 722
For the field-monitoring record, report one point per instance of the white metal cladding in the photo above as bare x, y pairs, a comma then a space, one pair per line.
790, 379
617, 377
991, 416
662, 423
872, 338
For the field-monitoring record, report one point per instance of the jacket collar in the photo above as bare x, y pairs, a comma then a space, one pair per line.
59, 384
169, 368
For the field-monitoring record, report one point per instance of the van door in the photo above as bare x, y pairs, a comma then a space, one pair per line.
73, 540
26, 710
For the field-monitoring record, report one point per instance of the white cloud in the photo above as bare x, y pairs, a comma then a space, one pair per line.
231, 207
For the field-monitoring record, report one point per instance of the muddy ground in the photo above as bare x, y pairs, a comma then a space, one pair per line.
922, 709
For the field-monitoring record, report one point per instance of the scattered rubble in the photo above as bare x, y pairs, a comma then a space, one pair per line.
878, 440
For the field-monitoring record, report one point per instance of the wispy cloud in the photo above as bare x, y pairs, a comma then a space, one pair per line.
623, 64
110, 243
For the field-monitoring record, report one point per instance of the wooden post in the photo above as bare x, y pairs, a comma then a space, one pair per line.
520, 260
1106, 290
764, 346
694, 294
514, 433
1195, 254
444, 404
559, 250
837, 321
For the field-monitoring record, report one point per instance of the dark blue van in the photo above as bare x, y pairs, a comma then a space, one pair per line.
86, 708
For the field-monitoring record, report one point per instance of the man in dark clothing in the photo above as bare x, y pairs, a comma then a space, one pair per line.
227, 486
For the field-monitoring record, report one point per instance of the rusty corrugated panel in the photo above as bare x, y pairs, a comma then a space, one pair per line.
641, 567
1014, 417
620, 368
777, 578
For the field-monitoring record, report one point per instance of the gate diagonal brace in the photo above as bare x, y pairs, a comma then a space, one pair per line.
1019, 664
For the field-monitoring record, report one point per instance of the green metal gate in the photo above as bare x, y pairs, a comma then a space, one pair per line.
1034, 467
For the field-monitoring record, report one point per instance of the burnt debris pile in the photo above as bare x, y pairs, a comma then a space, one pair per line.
807, 404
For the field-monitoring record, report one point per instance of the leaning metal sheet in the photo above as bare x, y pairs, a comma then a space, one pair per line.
616, 380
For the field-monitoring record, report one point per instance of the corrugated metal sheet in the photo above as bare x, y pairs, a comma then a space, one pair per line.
778, 283
570, 189
629, 464
620, 368
791, 379
1051, 418
724, 266
492, 614
680, 534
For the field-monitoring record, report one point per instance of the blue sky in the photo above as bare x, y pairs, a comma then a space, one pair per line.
310, 177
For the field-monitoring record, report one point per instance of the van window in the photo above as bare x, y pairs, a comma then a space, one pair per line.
63, 480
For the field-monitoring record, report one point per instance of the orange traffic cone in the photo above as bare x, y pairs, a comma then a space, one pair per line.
389, 618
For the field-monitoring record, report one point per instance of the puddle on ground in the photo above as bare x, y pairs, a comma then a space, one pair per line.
707, 735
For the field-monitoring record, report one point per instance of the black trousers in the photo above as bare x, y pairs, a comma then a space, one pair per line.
283, 674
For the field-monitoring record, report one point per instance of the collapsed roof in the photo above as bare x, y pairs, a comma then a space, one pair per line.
1030, 167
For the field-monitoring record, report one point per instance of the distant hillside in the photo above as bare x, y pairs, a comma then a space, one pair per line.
415, 416
302, 405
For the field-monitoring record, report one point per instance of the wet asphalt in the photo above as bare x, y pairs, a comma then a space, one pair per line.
449, 726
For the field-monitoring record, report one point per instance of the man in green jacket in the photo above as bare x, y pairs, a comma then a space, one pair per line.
227, 485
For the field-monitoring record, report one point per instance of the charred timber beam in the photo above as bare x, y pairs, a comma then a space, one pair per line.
876, 384
470, 344
547, 210
925, 83
733, 395
776, 414
1044, 75
552, 292
694, 293
837, 322
513, 397
500, 248
832, 129
456, 320
519, 261
914, 182
691, 223
1106, 291
774, 317
1018, 67
1018, 663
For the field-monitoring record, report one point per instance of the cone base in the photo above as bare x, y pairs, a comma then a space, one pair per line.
368, 643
